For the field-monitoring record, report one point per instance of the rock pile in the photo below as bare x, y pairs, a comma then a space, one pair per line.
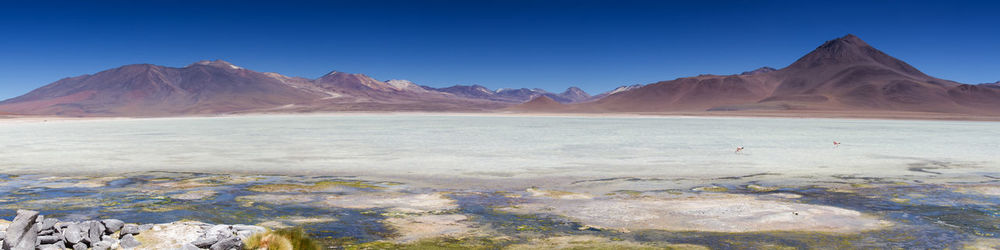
30, 231
223, 237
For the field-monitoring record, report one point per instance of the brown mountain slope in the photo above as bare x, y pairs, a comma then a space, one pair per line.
541, 104
843, 74
145, 89
214, 87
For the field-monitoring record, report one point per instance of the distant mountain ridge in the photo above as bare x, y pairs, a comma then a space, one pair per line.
843, 74
570, 95
214, 87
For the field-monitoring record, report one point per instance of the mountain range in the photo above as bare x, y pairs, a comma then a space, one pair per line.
844, 74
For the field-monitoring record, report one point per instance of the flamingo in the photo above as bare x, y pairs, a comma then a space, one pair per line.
739, 150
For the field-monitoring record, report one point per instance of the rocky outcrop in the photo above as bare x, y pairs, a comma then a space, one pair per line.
225, 237
22, 233
30, 230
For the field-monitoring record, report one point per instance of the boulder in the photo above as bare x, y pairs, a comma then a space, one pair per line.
48, 224
132, 229
109, 239
102, 245
73, 234
128, 241
48, 239
22, 233
46, 232
222, 231
228, 244
94, 232
49, 247
112, 225
80, 246
205, 242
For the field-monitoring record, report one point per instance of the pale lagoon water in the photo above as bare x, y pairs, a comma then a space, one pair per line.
493, 181
502, 146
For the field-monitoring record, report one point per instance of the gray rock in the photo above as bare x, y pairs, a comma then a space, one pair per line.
128, 241
46, 232
49, 247
50, 239
205, 242
22, 233
145, 227
132, 229
223, 231
2, 235
94, 232
102, 245
73, 234
112, 225
80, 246
189, 246
48, 224
228, 244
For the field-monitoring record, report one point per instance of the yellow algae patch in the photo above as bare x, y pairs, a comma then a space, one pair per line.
290, 221
207, 181
425, 226
77, 182
557, 194
983, 244
595, 242
759, 188
194, 195
991, 190
60, 203
711, 213
278, 199
314, 187
399, 202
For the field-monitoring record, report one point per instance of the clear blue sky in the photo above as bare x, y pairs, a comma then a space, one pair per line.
596, 45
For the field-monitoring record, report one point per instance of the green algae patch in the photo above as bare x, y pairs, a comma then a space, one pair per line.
594, 242
435, 243
314, 187
761, 189
626, 193
556, 194
714, 189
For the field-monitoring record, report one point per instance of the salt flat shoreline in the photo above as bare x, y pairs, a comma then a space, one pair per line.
847, 115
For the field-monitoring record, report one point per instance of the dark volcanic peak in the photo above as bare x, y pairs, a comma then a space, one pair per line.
760, 70
851, 50
574, 91
539, 104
